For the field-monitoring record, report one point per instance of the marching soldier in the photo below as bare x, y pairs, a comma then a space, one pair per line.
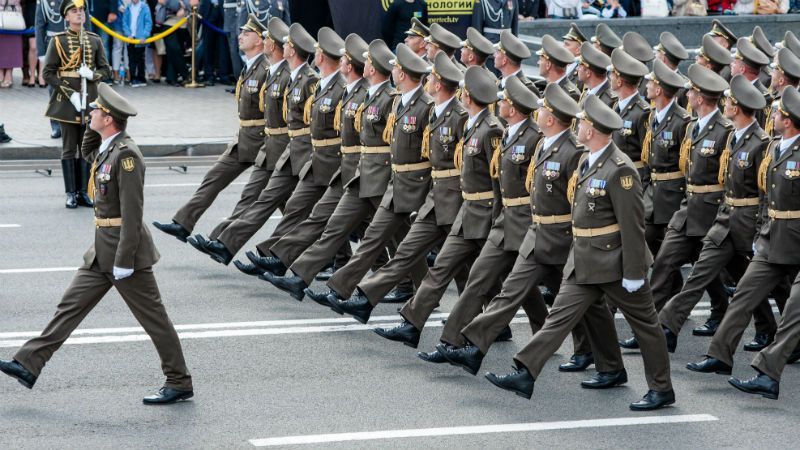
723, 36
609, 257
729, 241
47, 23
748, 61
791, 42
760, 41
508, 56
593, 73
637, 46
715, 57
671, 52
73, 56
352, 68
785, 73
605, 39
624, 76
415, 37
776, 254
473, 155
122, 256
703, 145
319, 112
436, 215
553, 61
394, 194
573, 41
476, 49
544, 248
243, 150
442, 40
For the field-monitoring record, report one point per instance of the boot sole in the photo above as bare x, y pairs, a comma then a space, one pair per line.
768, 395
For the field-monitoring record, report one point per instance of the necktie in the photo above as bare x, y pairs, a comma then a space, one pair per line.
655, 123
433, 116
695, 131
584, 167
733, 141
400, 104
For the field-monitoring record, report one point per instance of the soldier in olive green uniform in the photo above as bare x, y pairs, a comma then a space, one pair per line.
72, 57
471, 226
435, 216
729, 241
703, 145
442, 40
605, 39
312, 227
715, 57
760, 41
545, 246
636, 45
415, 37
776, 249
475, 49
553, 61
122, 256
573, 41
609, 257
625, 75
508, 56
723, 36
593, 73
785, 73
671, 52
748, 61
243, 150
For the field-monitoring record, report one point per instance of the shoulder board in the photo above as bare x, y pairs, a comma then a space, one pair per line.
427, 99
311, 72
458, 109
91, 33
123, 145
642, 103
684, 114
725, 122
761, 134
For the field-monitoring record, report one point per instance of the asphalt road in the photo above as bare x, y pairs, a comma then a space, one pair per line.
267, 367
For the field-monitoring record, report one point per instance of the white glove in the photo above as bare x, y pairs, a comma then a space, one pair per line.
75, 99
632, 285
120, 273
86, 72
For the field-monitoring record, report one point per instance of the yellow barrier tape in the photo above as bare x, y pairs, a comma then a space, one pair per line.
128, 40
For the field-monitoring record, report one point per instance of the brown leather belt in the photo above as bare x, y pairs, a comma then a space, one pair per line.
411, 167
300, 132
783, 215
326, 142
252, 123
704, 188
550, 220
69, 74
447, 173
665, 176
276, 131
105, 223
351, 149
519, 201
752, 201
591, 232
380, 149
473, 196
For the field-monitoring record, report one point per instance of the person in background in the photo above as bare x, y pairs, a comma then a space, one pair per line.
168, 13
10, 49
105, 11
215, 46
564, 9
397, 18
119, 52
29, 13
154, 54
137, 24
4, 137
613, 10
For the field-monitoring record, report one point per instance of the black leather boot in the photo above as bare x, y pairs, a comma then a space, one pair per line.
70, 185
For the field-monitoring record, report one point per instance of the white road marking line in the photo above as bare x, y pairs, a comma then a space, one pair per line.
10, 225
38, 270
481, 429
164, 185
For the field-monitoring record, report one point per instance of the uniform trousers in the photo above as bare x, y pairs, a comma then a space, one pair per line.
771, 360
259, 178
71, 139
576, 301
753, 289
141, 295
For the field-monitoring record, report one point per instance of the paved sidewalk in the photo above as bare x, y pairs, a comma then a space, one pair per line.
170, 120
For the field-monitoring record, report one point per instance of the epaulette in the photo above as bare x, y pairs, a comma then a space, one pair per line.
685, 114
644, 104
92, 33
725, 122
311, 72
761, 134
619, 160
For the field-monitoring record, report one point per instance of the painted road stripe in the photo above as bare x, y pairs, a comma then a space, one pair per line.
481, 429
38, 270
10, 225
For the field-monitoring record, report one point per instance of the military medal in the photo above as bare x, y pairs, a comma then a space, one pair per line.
472, 146
252, 86
666, 137
708, 147
445, 135
551, 170
627, 126
792, 169
597, 188
296, 95
742, 159
518, 153
275, 91
409, 124
372, 113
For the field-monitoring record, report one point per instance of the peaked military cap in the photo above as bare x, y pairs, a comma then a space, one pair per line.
790, 103
787, 63
555, 51
277, 30
110, 102
714, 52
254, 25
330, 43
594, 58
519, 96
418, 29
626, 66
512, 46
409, 62
606, 37
355, 49
791, 42
478, 43
299, 37
718, 29
599, 115
747, 52
557, 101
672, 47
706, 81
665, 76
480, 85
575, 34
744, 93
380, 56
759, 39
443, 38
637, 46
66, 5
446, 70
